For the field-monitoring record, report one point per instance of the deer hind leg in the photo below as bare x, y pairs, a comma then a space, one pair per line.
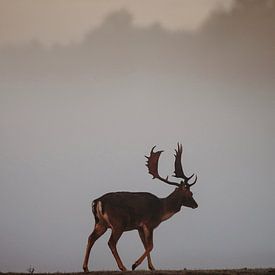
146, 236
116, 234
99, 230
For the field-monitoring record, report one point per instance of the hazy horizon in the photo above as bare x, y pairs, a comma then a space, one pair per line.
83, 100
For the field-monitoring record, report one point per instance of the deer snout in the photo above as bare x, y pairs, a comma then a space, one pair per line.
192, 203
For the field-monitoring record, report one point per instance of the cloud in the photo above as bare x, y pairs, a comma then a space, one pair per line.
63, 22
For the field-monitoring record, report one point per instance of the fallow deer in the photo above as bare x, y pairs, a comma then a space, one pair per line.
124, 211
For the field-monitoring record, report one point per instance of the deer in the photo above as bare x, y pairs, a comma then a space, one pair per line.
141, 211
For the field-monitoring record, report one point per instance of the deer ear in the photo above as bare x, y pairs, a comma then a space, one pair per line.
182, 184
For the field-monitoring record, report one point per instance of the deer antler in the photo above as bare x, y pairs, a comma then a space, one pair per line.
178, 167
152, 164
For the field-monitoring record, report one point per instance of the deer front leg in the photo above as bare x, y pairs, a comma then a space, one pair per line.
116, 234
99, 230
146, 236
142, 237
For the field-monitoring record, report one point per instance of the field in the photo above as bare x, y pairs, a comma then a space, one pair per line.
243, 271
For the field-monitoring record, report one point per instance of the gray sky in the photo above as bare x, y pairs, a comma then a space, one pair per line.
88, 87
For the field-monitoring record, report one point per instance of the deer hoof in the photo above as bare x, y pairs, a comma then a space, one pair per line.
85, 269
134, 266
123, 268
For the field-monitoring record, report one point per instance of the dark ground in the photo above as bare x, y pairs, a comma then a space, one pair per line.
242, 271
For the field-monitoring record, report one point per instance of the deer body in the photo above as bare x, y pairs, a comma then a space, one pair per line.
125, 211
129, 210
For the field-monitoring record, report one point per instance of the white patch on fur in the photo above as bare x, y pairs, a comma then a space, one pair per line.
101, 215
99, 209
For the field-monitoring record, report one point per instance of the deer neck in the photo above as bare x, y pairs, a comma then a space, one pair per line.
171, 205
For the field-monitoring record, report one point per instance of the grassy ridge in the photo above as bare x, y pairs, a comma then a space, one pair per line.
243, 271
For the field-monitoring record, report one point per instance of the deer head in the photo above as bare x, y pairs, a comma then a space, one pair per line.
183, 187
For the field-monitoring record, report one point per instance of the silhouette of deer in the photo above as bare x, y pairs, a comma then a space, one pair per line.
125, 211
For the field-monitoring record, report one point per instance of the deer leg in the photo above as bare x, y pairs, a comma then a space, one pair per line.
147, 239
142, 237
116, 234
99, 230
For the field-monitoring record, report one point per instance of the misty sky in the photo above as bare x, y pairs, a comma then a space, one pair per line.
88, 87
